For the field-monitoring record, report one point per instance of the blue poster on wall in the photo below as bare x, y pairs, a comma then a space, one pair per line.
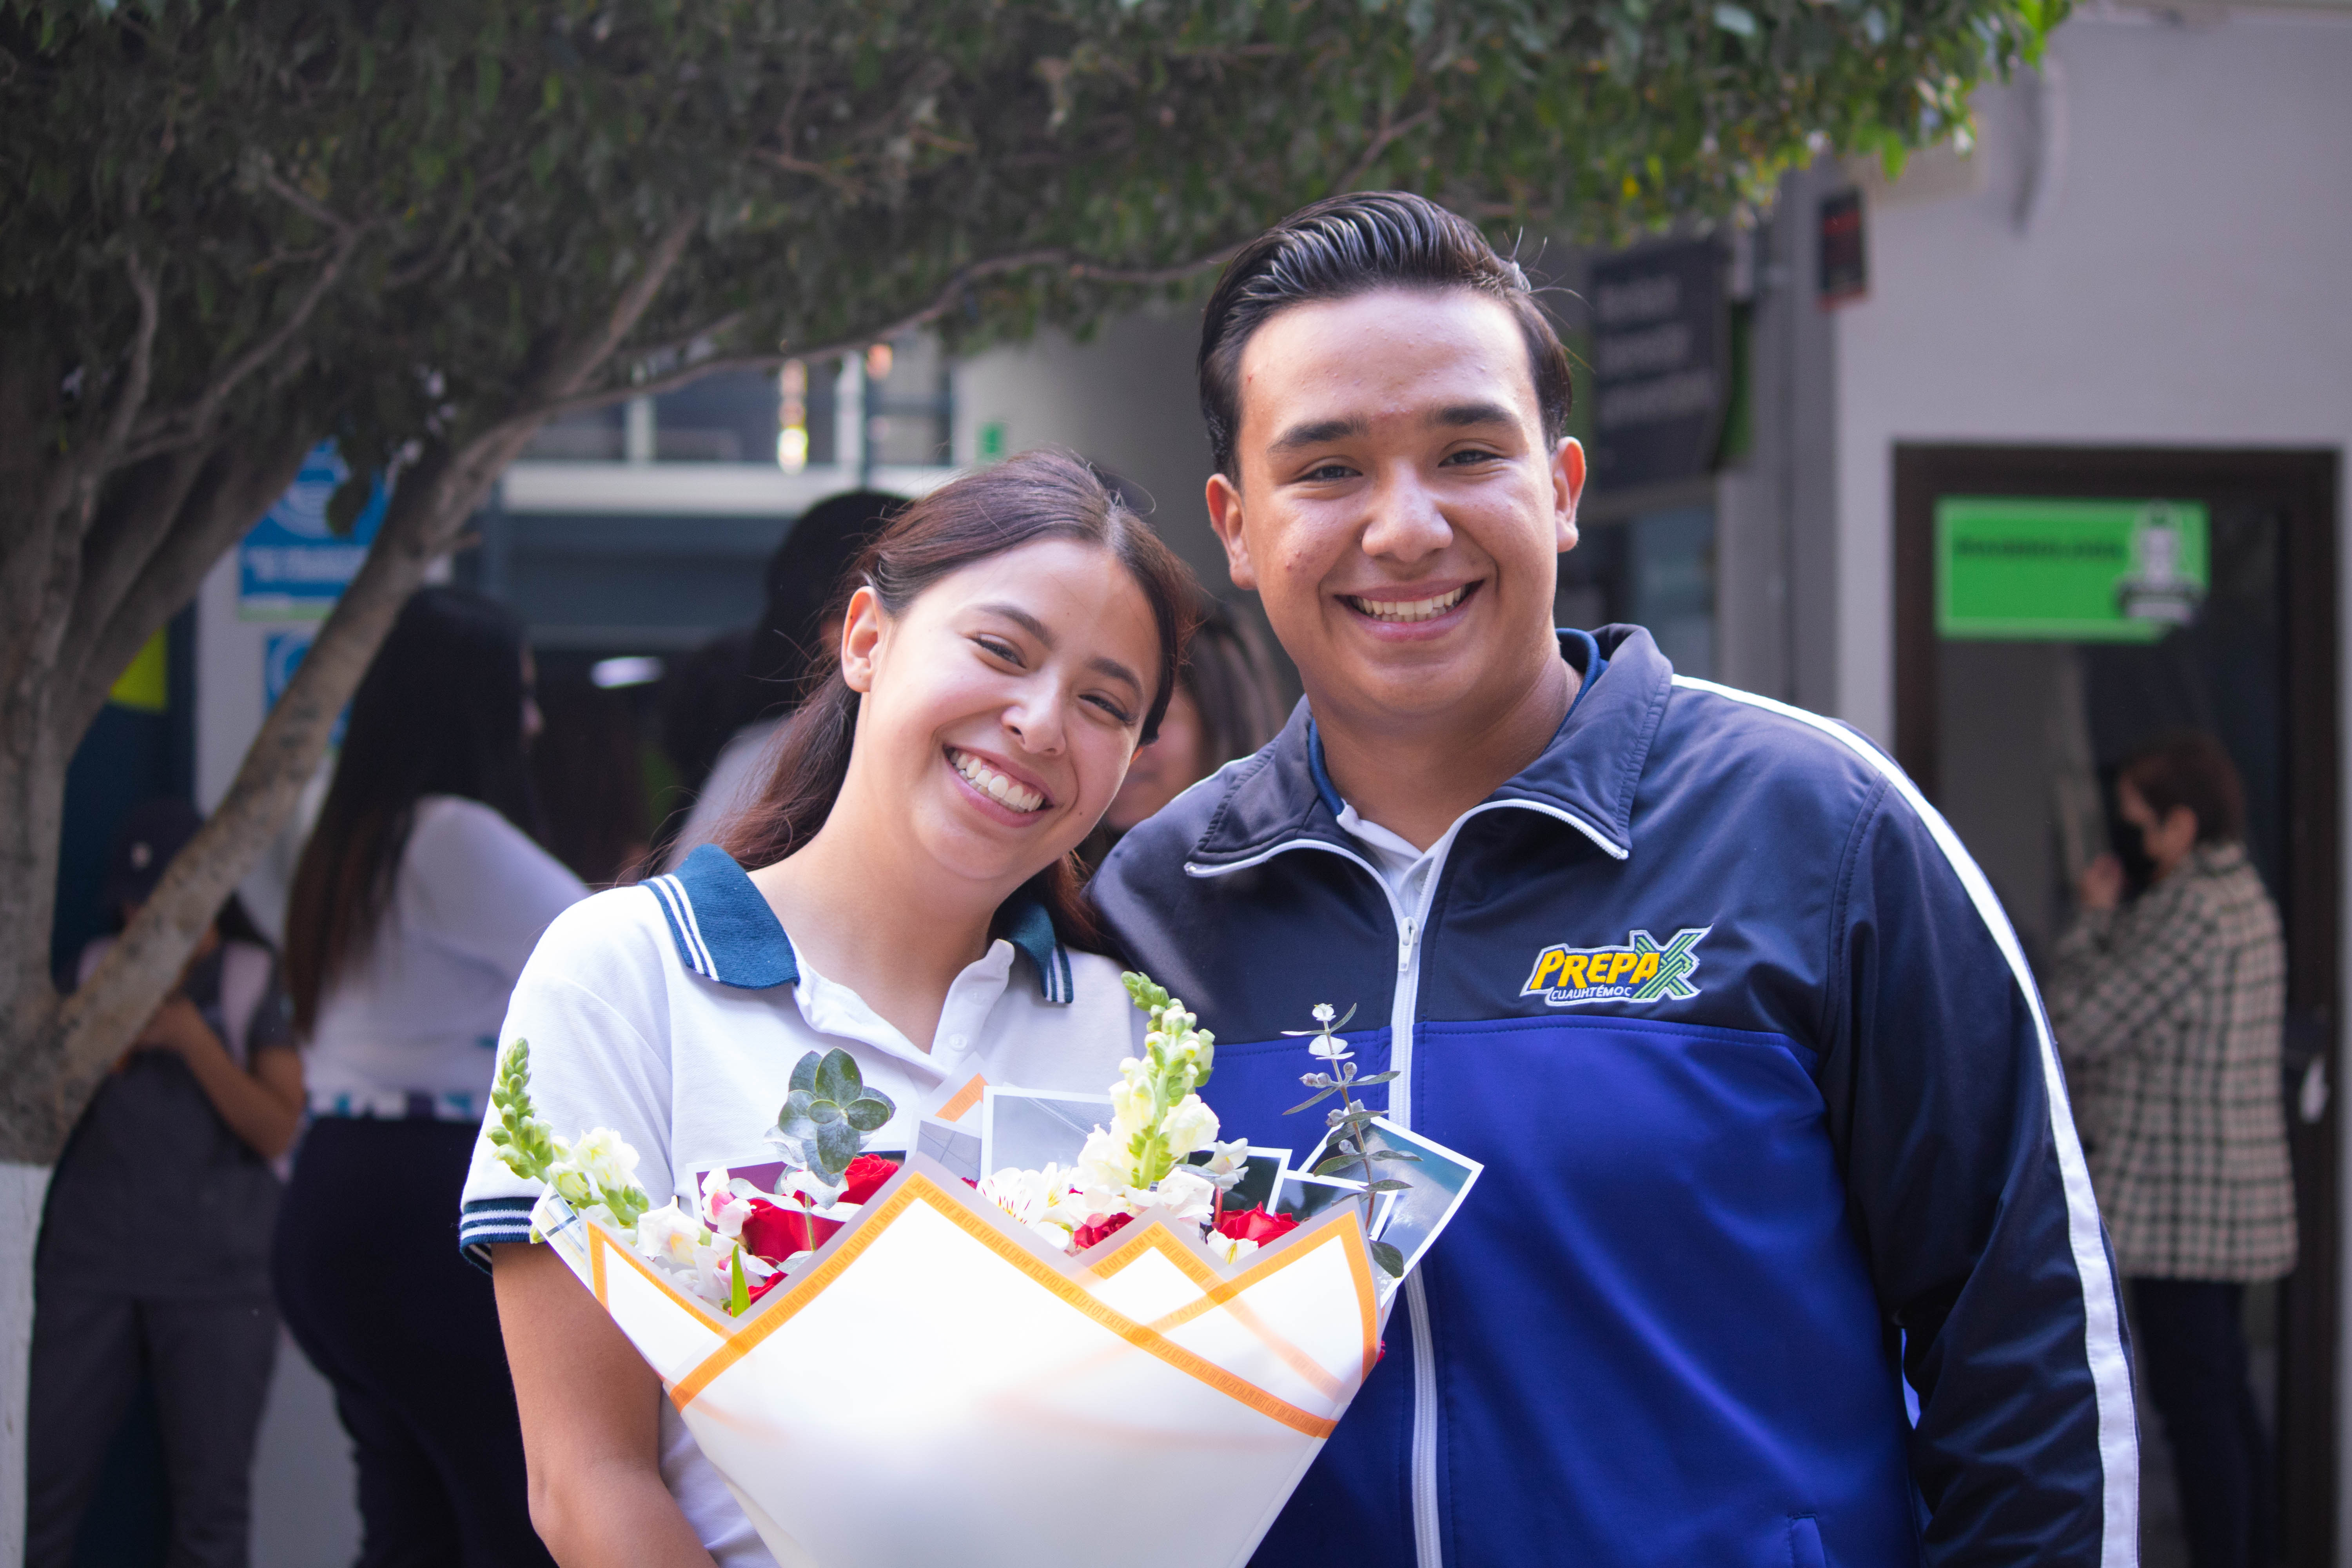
292, 566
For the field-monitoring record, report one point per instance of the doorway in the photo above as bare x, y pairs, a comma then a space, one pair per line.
2056, 607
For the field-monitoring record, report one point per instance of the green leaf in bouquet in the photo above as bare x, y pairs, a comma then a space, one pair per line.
824, 1112
837, 1078
836, 1145
739, 1293
1394, 1155
795, 1120
804, 1072
1387, 1186
869, 1114
1377, 1078
1390, 1260
1320, 1097
1336, 1163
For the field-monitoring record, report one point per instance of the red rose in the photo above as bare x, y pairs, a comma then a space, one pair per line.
775, 1232
1255, 1225
865, 1177
764, 1286
1095, 1230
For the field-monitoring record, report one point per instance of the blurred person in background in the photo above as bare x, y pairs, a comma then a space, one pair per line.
208, 1095
420, 894
1227, 706
799, 625
2168, 1010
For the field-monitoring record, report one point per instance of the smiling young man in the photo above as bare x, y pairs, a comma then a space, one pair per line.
1769, 1109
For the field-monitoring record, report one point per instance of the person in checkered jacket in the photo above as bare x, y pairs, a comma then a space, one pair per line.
2169, 1011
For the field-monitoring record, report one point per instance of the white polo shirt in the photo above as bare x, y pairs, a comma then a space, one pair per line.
674, 1012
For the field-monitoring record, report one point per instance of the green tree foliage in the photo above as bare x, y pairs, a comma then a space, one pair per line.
230, 228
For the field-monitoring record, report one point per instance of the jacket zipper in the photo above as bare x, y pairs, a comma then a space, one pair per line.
1429, 1551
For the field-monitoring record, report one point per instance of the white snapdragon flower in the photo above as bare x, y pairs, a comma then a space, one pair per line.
1104, 1163
602, 1157
1130, 1109
1228, 1248
1189, 1125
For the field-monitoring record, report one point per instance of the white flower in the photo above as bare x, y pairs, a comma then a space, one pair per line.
1189, 1124
1130, 1110
604, 1159
1325, 1012
1017, 1193
1181, 1195
1105, 1162
1228, 1248
670, 1236
1226, 1162
727, 1202
816, 1195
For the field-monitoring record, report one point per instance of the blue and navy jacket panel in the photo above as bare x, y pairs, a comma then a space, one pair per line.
1771, 1121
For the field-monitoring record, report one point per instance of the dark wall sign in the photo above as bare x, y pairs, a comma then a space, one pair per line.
1658, 350
1846, 265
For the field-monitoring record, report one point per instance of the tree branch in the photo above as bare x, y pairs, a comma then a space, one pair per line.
940, 305
194, 421
1385, 137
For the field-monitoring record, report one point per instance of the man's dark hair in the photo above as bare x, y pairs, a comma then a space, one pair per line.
2189, 768
1351, 245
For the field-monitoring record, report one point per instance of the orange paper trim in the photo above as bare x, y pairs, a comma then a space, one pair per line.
916, 1187
964, 1100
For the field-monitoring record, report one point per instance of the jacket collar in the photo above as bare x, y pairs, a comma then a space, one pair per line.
725, 930
1587, 774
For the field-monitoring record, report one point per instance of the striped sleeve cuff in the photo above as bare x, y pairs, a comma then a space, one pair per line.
487, 1221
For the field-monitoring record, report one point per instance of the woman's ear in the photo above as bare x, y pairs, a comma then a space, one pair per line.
861, 640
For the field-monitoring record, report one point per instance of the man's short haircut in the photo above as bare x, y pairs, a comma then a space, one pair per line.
2189, 768
1351, 245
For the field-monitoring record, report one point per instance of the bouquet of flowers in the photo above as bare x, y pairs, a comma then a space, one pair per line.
884, 1359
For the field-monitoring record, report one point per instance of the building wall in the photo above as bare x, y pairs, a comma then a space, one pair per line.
2181, 281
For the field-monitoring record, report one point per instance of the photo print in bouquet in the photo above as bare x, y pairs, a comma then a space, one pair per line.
849, 1332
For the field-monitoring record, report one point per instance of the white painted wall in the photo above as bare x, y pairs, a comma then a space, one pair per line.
2189, 282
2187, 285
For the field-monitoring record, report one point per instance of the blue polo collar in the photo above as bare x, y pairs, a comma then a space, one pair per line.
726, 932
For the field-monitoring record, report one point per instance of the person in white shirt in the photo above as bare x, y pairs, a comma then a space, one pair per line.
910, 891
416, 902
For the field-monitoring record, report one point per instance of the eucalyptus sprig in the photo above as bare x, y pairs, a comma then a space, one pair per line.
827, 1115
1347, 1123
1178, 1056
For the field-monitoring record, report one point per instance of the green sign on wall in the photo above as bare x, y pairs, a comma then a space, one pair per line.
2023, 569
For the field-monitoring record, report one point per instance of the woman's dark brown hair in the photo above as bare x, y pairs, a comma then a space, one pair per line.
1024, 500
438, 712
2191, 768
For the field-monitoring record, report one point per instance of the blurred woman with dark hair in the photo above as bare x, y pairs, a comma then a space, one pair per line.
903, 889
798, 630
418, 898
1227, 706
2169, 1011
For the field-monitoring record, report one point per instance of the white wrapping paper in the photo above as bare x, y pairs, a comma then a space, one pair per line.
938, 1385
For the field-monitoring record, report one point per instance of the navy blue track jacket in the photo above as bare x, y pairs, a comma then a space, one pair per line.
1771, 1119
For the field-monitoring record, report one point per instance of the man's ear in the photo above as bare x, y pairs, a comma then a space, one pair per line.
861, 640
1226, 517
1567, 489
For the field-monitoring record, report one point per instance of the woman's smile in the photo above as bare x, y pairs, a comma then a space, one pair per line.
997, 784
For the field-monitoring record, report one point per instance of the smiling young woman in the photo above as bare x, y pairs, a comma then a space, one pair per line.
903, 889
